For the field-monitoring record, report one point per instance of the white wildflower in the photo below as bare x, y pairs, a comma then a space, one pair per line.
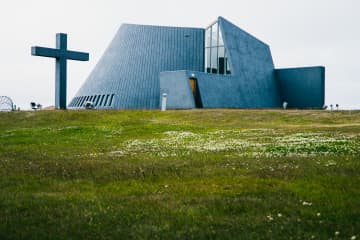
304, 203
330, 163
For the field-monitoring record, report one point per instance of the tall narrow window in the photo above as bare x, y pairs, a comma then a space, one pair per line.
97, 100
76, 101
82, 101
111, 99
216, 58
208, 60
208, 50
102, 99
221, 59
106, 99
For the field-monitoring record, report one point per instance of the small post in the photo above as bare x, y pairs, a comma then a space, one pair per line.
163, 102
285, 104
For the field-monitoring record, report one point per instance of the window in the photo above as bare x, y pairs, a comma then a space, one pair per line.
221, 58
106, 99
214, 35
111, 99
71, 103
216, 59
102, 99
82, 101
97, 100
76, 103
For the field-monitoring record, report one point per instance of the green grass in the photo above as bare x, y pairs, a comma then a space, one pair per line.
209, 174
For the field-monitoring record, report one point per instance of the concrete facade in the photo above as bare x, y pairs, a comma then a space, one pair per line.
252, 68
142, 62
127, 75
177, 87
302, 87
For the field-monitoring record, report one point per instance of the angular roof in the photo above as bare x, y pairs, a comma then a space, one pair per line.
130, 67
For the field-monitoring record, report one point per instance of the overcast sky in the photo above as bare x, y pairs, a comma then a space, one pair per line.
299, 32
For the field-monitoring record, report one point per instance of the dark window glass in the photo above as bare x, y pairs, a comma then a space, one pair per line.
111, 99
82, 101
102, 99
97, 100
106, 99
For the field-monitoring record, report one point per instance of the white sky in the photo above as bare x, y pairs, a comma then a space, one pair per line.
299, 32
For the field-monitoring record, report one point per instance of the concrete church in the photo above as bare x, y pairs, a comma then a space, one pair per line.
221, 66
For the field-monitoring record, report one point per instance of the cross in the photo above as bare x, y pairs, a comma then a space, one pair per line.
61, 54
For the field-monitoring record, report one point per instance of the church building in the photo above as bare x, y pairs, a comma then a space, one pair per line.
221, 66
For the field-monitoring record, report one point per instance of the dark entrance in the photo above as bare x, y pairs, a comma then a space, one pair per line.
195, 92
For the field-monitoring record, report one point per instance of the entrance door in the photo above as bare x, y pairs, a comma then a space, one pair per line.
193, 86
195, 92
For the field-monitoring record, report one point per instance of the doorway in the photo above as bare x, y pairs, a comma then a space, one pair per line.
195, 92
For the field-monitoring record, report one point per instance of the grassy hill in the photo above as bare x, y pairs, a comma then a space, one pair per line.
200, 174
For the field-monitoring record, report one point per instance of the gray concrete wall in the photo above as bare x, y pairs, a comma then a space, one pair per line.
130, 67
216, 91
252, 68
177, 87
302, 87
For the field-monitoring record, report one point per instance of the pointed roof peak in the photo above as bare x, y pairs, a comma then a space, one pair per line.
224, 22
222, 19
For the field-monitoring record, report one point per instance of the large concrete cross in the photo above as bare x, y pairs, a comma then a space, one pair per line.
62, 55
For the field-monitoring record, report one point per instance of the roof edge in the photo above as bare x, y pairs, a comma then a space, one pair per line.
159, 26
220, 18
